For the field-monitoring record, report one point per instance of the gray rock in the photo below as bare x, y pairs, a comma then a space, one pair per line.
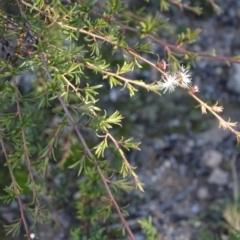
195, 208
174, 123
233, 83
114, 94
139, 236
202, 193
215, 136
218, 177
212, 158
159, 144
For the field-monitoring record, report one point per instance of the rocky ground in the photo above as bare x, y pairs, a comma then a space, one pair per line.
190, 175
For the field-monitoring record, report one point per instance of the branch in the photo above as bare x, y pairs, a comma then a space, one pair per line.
80, 137
25, 149
87, 150
164, 44
15, 188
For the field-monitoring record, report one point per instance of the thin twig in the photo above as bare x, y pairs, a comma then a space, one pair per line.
15, 188
87, 150
126, 163
164, 44
221, 120
235, 178
25, 150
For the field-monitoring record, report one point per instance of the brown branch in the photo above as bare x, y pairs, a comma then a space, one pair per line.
221, 120
164, 44
25, 149
16, 192
87, 150
150, 36
126, 163
182, 6
71, 120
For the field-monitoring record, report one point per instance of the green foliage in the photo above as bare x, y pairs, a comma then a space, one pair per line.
95, 234
73, 52
151, 25
13, 229
207, 235
189, 36
93, 209
146, 225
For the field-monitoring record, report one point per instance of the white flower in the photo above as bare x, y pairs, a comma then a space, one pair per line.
32, 235
185, 76
168, 83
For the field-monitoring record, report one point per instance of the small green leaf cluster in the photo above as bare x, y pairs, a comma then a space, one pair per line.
94, 211
147, 226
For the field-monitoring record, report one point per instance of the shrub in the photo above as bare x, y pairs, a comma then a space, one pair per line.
57, 60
